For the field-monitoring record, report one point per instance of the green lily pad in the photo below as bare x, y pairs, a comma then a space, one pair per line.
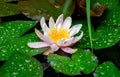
11, 40
46, 8
8, 9
106, 36
10, 31
107, 69
82, 60
21, 65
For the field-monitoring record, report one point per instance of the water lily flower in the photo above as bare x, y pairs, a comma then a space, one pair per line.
59, 35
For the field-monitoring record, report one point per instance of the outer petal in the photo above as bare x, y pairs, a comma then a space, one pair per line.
67, 22
47, 38
69, 42
51, 22
38, 44
43, 37
78, 37
44, 25
59, 20
47, 52
39, 34
54, 47
69, 50
75, 29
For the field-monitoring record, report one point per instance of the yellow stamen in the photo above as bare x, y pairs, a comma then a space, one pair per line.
58, 34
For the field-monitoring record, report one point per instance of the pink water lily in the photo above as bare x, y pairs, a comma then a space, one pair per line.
57, 35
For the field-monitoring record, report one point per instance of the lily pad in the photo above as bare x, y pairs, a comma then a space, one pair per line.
11, 40
46, 8
106, 36
82, 60
21, 65
10, 31
107, 69
8, 9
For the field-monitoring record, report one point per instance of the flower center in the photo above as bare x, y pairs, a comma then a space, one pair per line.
58, 34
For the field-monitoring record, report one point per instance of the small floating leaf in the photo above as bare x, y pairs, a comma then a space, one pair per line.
107, 69
20, 65
82, 60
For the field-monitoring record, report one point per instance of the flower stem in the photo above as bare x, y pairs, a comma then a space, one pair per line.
89, 22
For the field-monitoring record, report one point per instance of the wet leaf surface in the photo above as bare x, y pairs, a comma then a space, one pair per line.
82, 60
107, 69
21, 65
11, 40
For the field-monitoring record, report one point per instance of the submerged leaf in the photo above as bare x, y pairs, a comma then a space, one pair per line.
21, 65
82, 60
46, 8
7, 9
8, 0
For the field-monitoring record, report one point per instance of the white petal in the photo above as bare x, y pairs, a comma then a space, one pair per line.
78, 37
38, 44
69, 42
42, 21
67, 22
43, 37
54, 47
58, 27
43, 25
51, 22
69, 50
59, 20
47, 52
75, 29
47, 38
39, 34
